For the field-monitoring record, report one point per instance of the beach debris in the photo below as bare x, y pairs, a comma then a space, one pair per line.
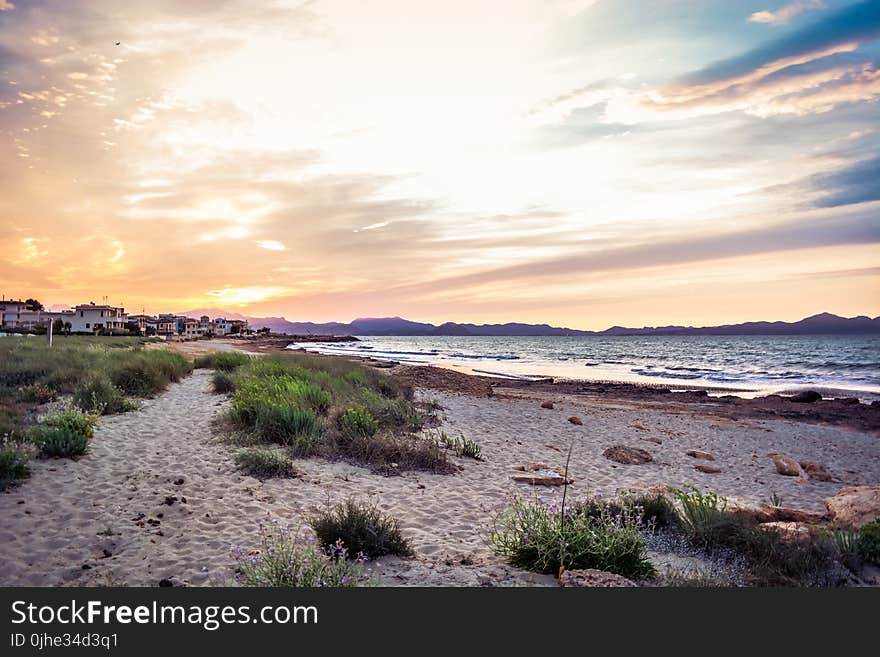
540, 474
652, 439
179, 481
170, 499
785, 465
592, 578
806, 397
627, 455
854, 506
698, 454
708, 469
815, 471
547, 404
165, 582
574, 419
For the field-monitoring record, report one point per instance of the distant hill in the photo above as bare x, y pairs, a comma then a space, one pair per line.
821, 324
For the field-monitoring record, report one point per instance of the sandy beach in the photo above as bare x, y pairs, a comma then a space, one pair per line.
158, 496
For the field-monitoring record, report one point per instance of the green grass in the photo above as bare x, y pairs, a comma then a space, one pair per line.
361, 528
224, 361
60, 442
318, 405
542, 538
222, 382
265, 463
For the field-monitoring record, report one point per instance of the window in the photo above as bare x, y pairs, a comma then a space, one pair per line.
87, 326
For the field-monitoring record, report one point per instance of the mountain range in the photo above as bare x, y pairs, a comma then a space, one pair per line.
821, 324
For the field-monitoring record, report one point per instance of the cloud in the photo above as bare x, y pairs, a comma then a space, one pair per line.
6, 5
812, 70
856, 183
271, 245
786, 13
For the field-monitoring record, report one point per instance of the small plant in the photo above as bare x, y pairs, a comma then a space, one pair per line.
265, 463
869, 541
358, 420
655, 508
546, 538
74, 420
298, 429
98, 395
698, 510
13, 463
222, 382
461, 445
775, 500
362, 528
60, 442
36, 393
288, 558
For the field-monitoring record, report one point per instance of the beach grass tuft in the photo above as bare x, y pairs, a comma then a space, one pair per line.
361, 528
288, 558
223, 361
265, 463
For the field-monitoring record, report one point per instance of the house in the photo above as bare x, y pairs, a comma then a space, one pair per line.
145, 323
10, 313
192, 328
221, 326
92, 318
15, 315
166, 324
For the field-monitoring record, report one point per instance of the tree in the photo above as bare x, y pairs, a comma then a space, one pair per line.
33, 304
68, 327
58, 326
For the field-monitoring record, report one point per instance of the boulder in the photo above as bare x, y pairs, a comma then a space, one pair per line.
590, 578
854, 506
547, 404
708, 469
627, 455
806, 397
785, 465
575, 420
815, 471
697, 454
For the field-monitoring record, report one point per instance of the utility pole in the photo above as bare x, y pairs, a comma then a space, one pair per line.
49, 332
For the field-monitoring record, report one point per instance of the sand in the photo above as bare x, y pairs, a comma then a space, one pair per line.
103, 519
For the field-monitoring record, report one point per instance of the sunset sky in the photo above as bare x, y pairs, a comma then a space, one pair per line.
582, 163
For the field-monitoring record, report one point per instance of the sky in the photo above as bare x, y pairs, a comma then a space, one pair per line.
583, 163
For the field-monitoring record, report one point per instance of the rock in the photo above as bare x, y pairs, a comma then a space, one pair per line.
170, 499
708, 469
786, 465
697, 454
541, 474
806, 397
700, 393
849, 401
854, 506
766, 513
589, 578
627, 455
547, 404
789, 529
165, 583
815, 471
575, 420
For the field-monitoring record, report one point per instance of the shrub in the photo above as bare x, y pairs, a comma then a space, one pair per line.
389, 454
462, 446
74, 420
358, 421
222, 382
543, 538
60, 442
656, 509
288, 558
698, 510
13, 463
225, 361
36, 393
265, 463
100, 396
361, 528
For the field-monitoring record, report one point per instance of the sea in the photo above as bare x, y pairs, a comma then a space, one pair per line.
745, 365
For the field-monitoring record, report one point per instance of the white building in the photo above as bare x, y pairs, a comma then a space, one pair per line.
92, 318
